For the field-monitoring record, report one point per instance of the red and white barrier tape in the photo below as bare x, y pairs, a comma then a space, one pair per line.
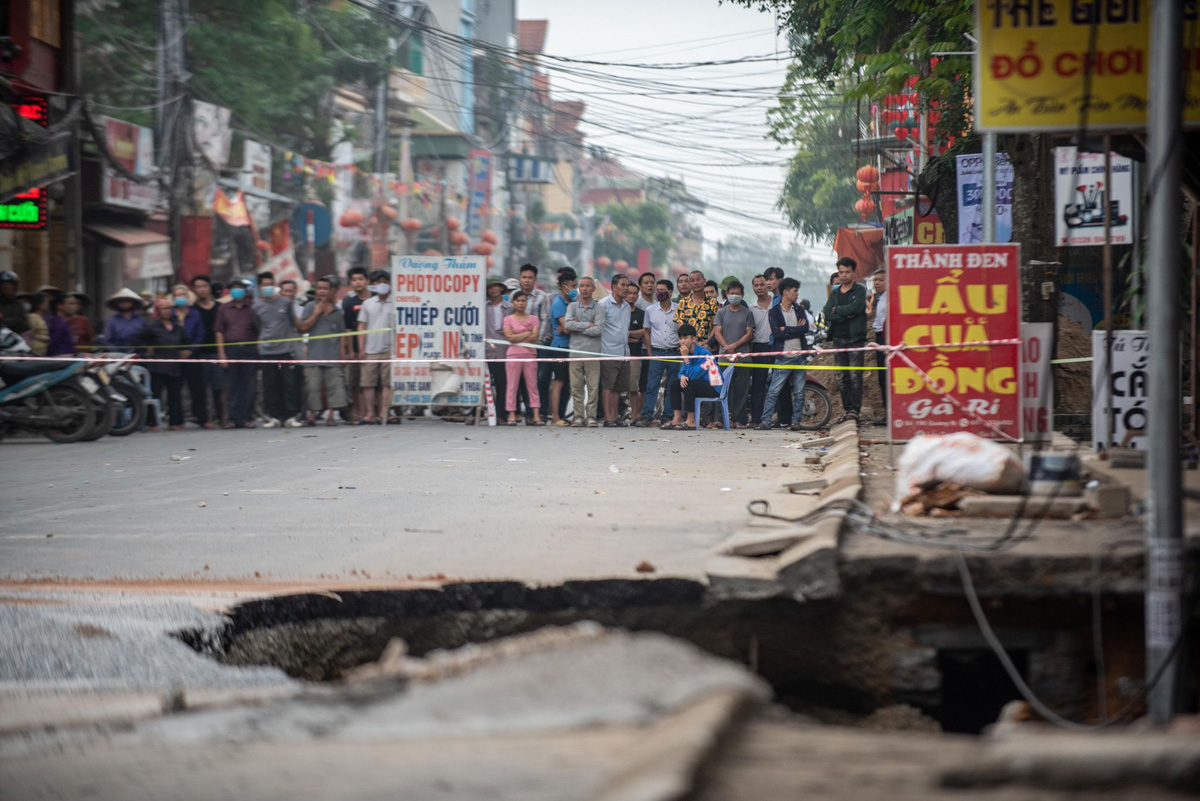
892, 350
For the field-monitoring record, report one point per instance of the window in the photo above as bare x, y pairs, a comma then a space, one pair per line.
412, 53
45, 23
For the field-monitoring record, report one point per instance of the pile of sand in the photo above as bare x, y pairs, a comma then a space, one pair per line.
1072, 382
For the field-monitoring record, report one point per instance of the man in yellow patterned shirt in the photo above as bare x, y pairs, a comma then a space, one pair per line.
696, 310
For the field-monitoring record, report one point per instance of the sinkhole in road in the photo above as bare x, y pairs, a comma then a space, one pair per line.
838, 661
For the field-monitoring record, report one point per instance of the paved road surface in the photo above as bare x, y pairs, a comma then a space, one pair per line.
420, 500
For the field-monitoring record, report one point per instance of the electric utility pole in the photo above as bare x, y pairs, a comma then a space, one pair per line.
1164, 522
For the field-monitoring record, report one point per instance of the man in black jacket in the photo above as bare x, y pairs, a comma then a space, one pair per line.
789, 326
846, 317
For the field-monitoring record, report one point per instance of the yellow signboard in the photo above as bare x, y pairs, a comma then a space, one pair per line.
1034, 58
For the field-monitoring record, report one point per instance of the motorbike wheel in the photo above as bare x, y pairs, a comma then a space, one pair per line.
76, 406
131, 414
817, 407
104, 415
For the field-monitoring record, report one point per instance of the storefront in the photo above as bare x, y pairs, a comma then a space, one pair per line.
128, 256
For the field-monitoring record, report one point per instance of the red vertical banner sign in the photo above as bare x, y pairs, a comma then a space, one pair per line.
945, 296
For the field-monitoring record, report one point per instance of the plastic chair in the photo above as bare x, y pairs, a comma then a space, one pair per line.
723, 398
142, 376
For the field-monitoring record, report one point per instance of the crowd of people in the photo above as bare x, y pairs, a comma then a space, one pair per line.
200, 336
647, 328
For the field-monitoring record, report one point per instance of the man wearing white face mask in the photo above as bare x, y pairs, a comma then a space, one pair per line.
281, 381
734, 332
378, 312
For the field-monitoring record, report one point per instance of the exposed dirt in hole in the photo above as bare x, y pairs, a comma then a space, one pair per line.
851, 661
828, 655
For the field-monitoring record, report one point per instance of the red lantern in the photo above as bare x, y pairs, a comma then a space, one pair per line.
452, 223
351, 218
411, 224
459, 238
862, 187
865, 207
621, 265
484, 248
901, 133
603, 262
867, 174
490, 237
389, 212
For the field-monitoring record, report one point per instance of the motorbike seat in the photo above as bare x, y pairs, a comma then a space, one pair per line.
13, 372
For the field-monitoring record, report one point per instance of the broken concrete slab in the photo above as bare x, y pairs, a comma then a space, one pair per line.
38, 712
820, 442
800, 562
742, 578
1030, 507
1108, 500
809, 569
625, 717
807, 486
1077, 762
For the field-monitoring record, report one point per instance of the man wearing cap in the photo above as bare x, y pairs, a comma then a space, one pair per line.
236, 322
11, 308
494, 311
378, 316
123, 330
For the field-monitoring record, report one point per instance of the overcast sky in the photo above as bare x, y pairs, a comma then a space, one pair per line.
684, 136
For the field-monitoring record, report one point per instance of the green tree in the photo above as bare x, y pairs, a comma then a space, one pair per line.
273, 62
870, 48
644, 225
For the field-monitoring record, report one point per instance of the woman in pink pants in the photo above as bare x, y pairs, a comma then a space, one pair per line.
519, 328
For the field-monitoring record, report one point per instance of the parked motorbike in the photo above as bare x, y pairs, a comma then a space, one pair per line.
52, 397
125, 395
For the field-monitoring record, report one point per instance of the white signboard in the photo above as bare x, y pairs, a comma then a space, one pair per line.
1037, 385
1081, 195
439, 315
132, 146
256, 174
148, 261
969, 169
1128, 390
213, 134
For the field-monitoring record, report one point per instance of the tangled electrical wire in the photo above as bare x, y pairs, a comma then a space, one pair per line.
959, 541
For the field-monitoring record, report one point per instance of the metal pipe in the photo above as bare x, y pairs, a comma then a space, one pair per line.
989, 187
1164, 521
1107, 277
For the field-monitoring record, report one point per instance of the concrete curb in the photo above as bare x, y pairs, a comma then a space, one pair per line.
668, 760
797, 562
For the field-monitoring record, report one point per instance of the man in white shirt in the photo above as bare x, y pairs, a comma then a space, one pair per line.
614, 341
664, 342
879, 326
760, 308
378, 316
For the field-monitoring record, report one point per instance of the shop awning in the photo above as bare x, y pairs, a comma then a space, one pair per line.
142, 254
127, 235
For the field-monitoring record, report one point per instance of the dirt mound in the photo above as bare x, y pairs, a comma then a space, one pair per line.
872, 403
1072, 382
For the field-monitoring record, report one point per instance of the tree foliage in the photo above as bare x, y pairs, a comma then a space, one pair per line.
272, 62
870, 48
846, 55
644, 225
